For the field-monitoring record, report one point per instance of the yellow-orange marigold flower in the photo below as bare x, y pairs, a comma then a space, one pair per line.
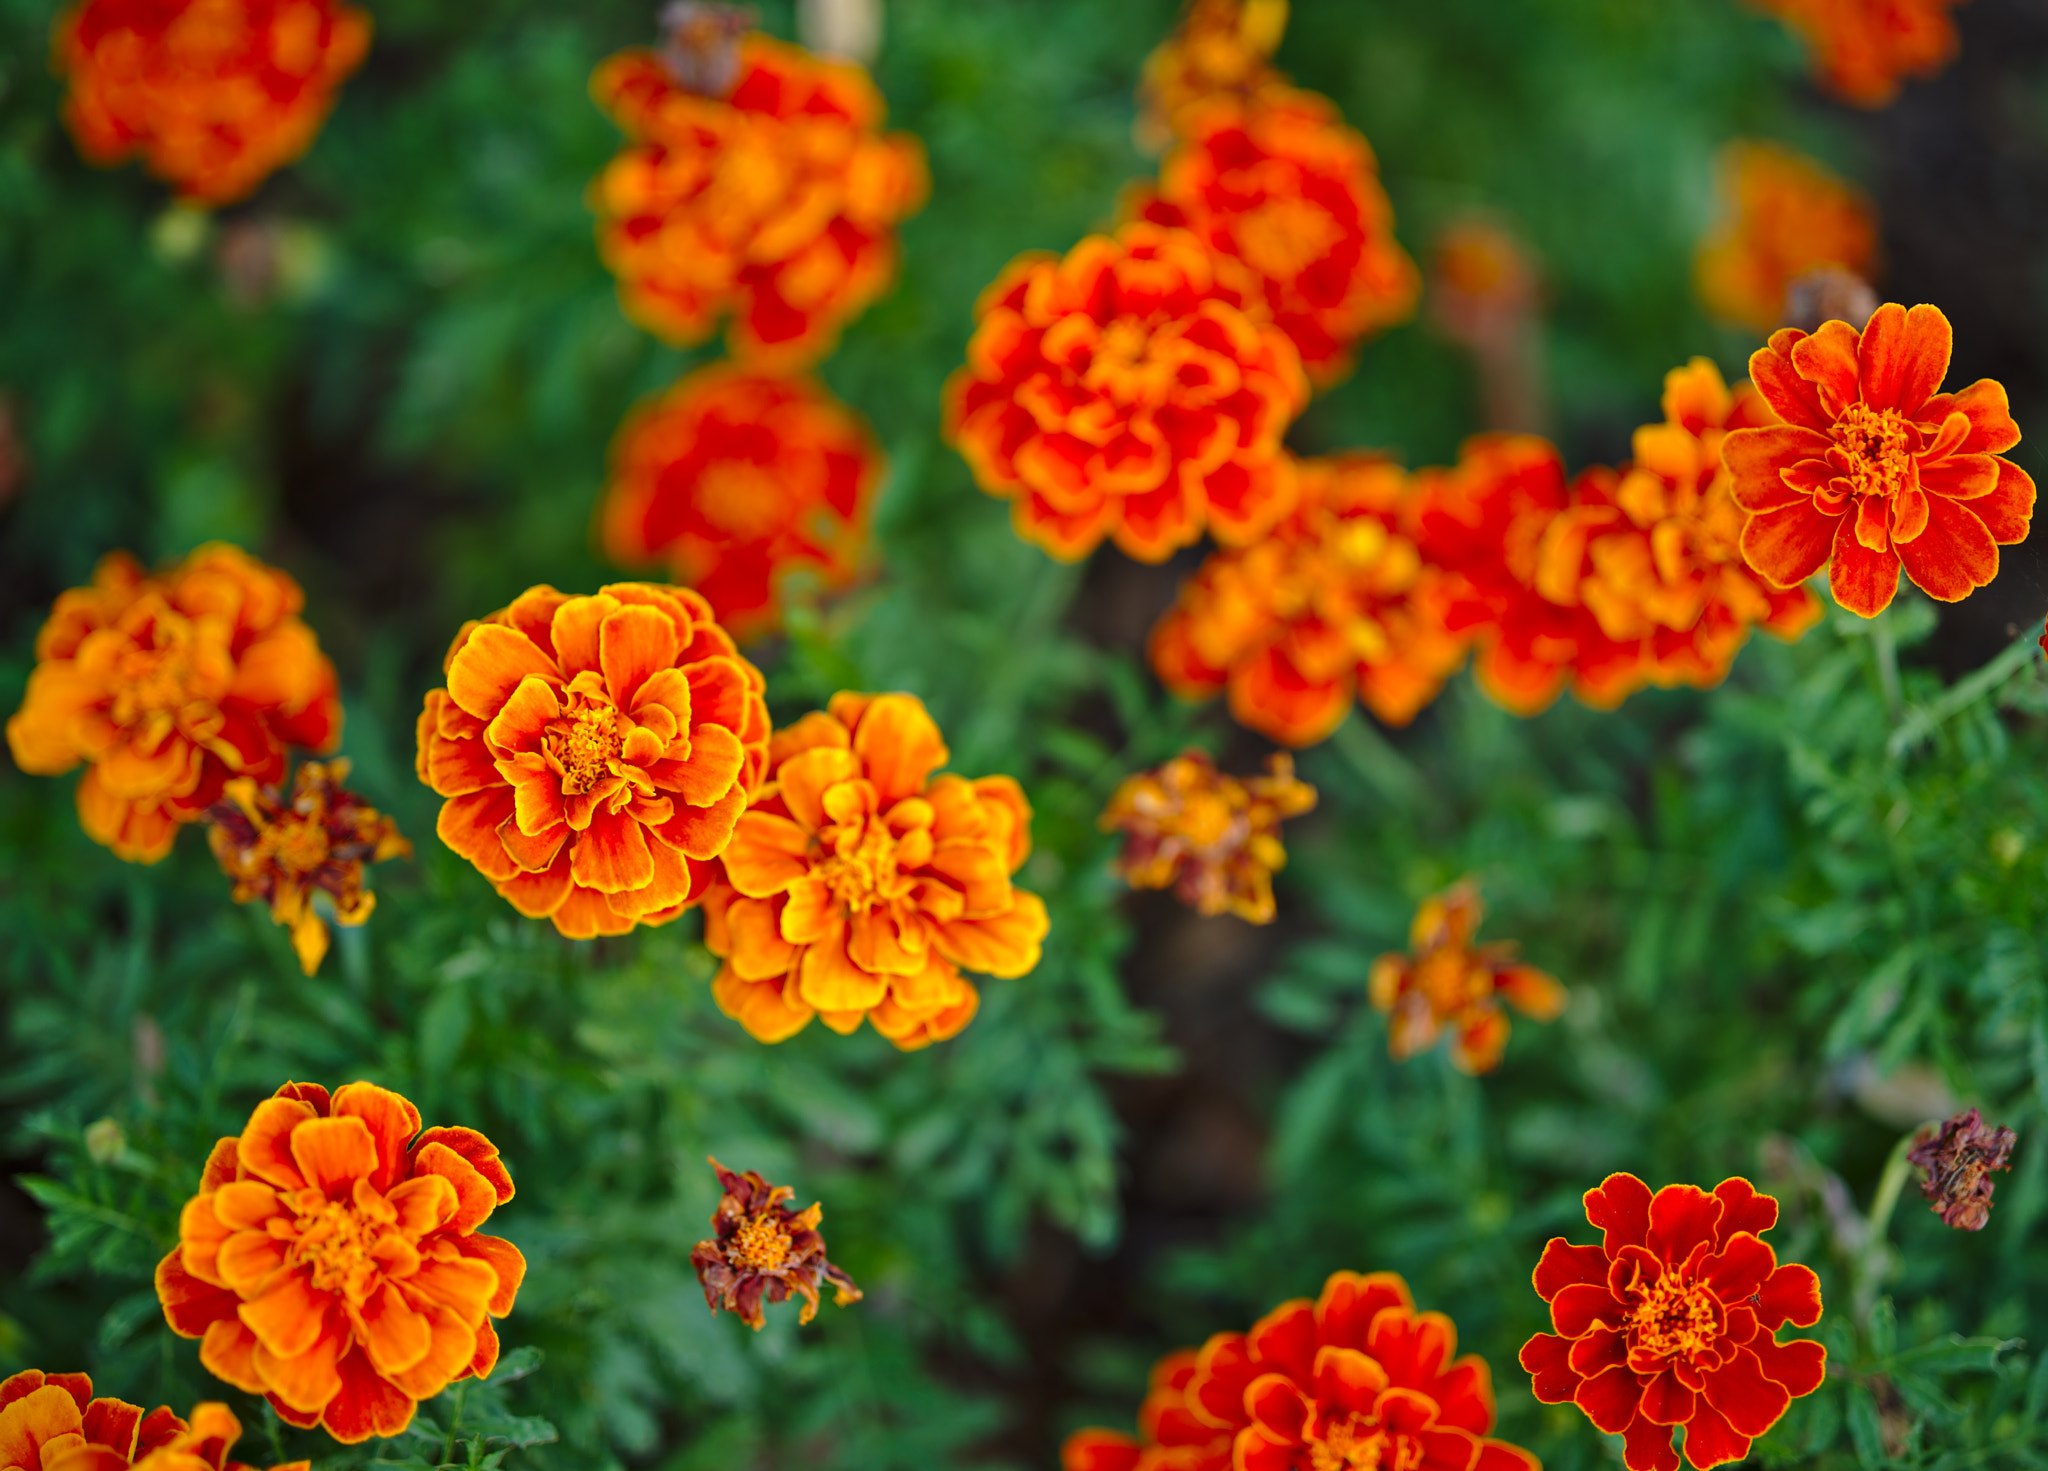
859, 884
52, 1422
167, 685
764, 1251
331, 1261
595, 752
1221, 48
1214, 838
740, 480
1784, 215
214, 94
1334, 603
1446, 983
1864, 49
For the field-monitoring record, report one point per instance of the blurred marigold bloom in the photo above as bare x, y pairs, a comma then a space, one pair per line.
169, 684
1485, 290
282, 853
595, 752
331, 1263
739, 480
859, 885
214, 94
1357, 1378
1959, 1157
764, 1251
1334, 603
1220, 48
1132, 389
1784, 216
1673, 1319
1446, 982
1864, 49
52, 1422
1214, 838
1873, 467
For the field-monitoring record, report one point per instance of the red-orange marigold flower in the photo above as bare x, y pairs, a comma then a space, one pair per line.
1784, 215
764, 1251
52, 1422
331, 1263
595, 752
1334, 602
167, 685
1864, 49
1673, 1319
1446, 982
739, 480
1133, 389
1874, 467
214, 94
860, 885
1214, 838
1357, 1378
1220, 48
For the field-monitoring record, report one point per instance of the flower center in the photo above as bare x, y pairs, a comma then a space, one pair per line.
1362, 1443
1284, 237
160, 679
585, 746
741, 499
296, 844
1673, 1317
861, 872
337, 1242
1877, 445
760, 1245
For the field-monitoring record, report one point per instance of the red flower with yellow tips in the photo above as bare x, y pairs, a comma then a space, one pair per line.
1220, 48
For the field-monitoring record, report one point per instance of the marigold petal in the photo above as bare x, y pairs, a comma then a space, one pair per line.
451, 1345
264, 1149
191, 1304
42, 1419
107, 1422
1711, 1441
1347, 1380
1599, 1350
1740, 1268
899, 743
1278, 1407
1790, 1295
1578, 1307
490, 665
759, 1006
1255, 1450
537, 895
392, 1335
469, 825
1610, 1399
1801, 1365
1498, 1455
1743, 1208
1099, 1450
1646, 1446
1957, 553
392, 1120
1620, 1207
1563, 1264
366, 1404
504, 1259
464, 1285
1681, 1217
333, 1153
611, 855
705, 832
586, 913
1006, 945
1285, 1339
304, 1379
1864, 581
828, 979
1795, 400
1903, 356
1350, 1301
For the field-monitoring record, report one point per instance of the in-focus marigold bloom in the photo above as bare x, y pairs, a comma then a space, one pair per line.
52, 1422
775, 200
169, 684
1673, 1319
1784, 215
1214, 838
739, 480
214, 94
1221, 48
860, 885
282, 853
764, 1251
1356, 1379
1133, 389
1447, 983
1874, 467
1334, 603
1959, 1158
1864, 49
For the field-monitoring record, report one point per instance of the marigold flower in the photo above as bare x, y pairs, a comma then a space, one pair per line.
1672, 1320
859, 885
52, 1422
1863, 49
1214, 838
738, 480
1959, 1157
214, 94
595, 752
283, 853
1446, 982
1874, 467
1221, 48
1784, 215
1334, 602
1133, 389
1357, 1378
764, 1251
169, 684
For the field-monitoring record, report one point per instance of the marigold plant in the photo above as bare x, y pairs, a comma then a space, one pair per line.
1221, 48
1783, 215
168, 685
1863, 50
1673, 1319
1214, 838
1446, 983
764, 1252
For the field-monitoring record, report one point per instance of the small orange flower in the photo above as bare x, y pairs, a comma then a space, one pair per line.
1863, 49
763, 1252
51, 1422
1447, 982
1133, 389
167, 685
859, 885
1214, 838
282, 853
1221, 48
1785, 215
1873, 467
331, 1263
738, 480
1334, 603
214, 94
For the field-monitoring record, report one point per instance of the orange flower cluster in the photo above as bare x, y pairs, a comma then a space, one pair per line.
1864, 49
331, 1262
1446, 983
764, 1251
168, 685
1221, 48
1334, 603
1784, 215
740, 480
214, 94
1358, 1378
859, 885
1214, 838
52, 1422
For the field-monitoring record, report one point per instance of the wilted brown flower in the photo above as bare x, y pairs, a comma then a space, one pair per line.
701, 45
1959, 1161
1214, 838
764, 1251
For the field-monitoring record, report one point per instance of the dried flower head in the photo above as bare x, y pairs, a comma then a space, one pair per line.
764, 1251
701, 44
1828, 294
1214, 838
1221, 48
1959, 1158
1864, 49
52, 1422
1447, 983
1783, 215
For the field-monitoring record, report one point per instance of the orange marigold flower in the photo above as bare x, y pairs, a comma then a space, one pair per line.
1133, 389
166, 685
331, 1263
1334, 602
1673, 1319
1874, 467
282, 853
775, 200
1863, 49
1221, 48
1446, 982
51, 1422
738, 480
1214, 838
595, 752
1357, 1378
859, 885
764, 1251
1784, 215
214, 94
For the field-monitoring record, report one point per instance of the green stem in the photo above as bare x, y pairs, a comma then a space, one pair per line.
1873, 1261
1374, 758
1887, 650
1923, 720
